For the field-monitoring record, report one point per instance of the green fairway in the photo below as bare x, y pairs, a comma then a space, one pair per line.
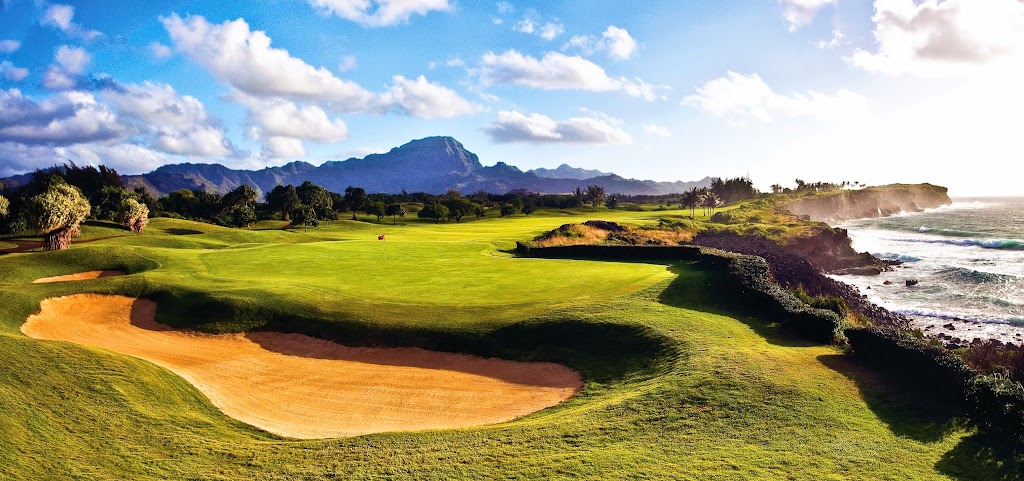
678, 384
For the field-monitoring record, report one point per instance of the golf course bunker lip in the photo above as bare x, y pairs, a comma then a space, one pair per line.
80, 276
302, 387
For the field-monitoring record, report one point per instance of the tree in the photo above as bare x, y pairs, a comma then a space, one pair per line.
283, 199
479, 211
776, 189
243, 216
507, 209
595, 195
529, 207
711, 201
132, 214
57, 214
691, 199
241, 196
434, 211
394, 210
578, 197
317, 198
612, 202
303, 215
5, 207
458, 207
355, 200
378, 209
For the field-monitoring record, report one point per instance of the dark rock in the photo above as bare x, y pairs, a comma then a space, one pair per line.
949, 326
888, 283
912, 282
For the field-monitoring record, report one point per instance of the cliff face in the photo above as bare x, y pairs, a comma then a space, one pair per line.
880, 201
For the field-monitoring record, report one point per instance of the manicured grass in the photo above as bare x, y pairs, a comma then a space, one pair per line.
679, 385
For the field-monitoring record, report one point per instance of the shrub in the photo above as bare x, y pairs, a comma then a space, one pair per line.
996, 403
931, 367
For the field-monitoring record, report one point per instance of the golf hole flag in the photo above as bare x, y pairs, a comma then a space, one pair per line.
380, 237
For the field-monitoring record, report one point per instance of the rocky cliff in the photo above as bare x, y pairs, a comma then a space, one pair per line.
882, 201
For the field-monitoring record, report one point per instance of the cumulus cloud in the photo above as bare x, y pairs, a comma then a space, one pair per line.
556, 71
175, 124
616, 42
282, 118
799, 13
838, 38
62, 17
72, 59
280, 147
245, 60
933, 38
747, 97
12, 72
379, 13
425, 100
63, 119
656, 130
124, 157
9, 46
513, 126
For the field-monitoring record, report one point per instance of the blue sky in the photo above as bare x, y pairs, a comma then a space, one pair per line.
883, 91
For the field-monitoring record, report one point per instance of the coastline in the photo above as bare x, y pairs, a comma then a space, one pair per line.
953, 330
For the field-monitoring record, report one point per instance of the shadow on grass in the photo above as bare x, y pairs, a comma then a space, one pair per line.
909, 411
180, 231
709, 292
981, 458
603, 352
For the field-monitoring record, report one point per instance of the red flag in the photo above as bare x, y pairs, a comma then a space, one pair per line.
380, 237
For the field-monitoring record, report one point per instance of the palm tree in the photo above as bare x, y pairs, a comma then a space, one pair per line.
691, 199
711, 200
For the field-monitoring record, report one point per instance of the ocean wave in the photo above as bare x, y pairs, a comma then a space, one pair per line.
892, 256
950, 316
947, 232
972, 276
1000, 244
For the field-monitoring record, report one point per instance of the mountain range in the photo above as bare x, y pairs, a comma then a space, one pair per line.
432, 164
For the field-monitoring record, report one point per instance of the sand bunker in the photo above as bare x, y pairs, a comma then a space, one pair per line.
81, 276
302, 387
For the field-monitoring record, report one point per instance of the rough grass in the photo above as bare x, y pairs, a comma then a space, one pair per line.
679, 384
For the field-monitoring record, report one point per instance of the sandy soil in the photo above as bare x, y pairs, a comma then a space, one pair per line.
302, 387
81, 276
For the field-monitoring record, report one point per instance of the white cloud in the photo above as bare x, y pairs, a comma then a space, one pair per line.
11, 72
526, 25
615, 41
744, 97
72, 59
933, 38
279, 147
176, 124
799, 13
379, 13
61, 17
57, 78
656, 130
512, 126
245, 60
348, 62
63, 119
160, 51
123, 157
550, 31
9, 46
506, 8
556, 71
281, 118
838, 39
426, 100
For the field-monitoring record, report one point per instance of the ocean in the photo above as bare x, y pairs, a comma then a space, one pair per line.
968, 260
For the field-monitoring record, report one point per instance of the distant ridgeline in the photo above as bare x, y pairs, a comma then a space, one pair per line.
432, 165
